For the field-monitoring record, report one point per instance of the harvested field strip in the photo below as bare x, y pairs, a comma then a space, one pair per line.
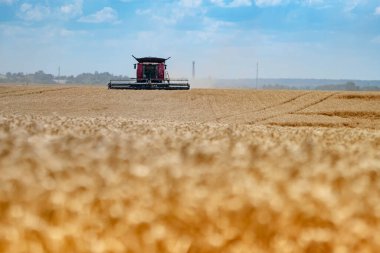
328, 95
313, 124
14, 90
32, 92
211, 104
197, 105
348, 114
357, 96
294, 106
219, 119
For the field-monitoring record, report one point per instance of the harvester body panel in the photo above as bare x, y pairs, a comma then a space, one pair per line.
139, 71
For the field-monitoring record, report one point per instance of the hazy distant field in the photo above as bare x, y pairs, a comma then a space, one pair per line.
86, 169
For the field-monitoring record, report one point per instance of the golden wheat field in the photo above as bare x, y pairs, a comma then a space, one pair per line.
86, 169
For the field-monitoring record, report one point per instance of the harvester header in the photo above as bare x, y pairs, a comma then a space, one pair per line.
150, 74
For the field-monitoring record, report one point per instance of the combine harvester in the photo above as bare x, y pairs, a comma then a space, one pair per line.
150, 75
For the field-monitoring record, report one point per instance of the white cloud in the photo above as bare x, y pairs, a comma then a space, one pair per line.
232, 4
105, 15
319, 4
264, 3
211, 30
239, 3
143, 11
191, 3
72, 9
7, 1
215, 25
175, 12
38, 12
377, 10
34, 12
313, 2
218, 2
352, 4
39, 35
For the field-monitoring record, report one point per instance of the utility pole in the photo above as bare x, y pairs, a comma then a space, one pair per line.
59, 71
193, 70
257, 76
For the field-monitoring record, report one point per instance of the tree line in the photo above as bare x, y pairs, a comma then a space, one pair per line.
44, 78
348, 86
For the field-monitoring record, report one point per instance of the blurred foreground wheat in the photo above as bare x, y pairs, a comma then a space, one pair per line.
98, 184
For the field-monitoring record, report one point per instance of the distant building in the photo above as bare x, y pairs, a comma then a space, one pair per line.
60, 81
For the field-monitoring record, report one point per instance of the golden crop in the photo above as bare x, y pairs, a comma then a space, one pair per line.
92, 170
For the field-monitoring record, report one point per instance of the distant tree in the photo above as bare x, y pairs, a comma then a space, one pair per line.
41, 77
277, 87
346, 86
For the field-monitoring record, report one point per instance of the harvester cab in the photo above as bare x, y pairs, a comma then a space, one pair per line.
150, 74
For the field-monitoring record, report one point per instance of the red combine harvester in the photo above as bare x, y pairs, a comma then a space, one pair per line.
150, 74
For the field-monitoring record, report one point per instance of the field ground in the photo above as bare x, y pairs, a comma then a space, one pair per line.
287, 108
86, 169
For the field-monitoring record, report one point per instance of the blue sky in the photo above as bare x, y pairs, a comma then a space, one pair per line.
289, 38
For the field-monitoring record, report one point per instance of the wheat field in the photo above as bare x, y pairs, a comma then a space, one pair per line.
86, 169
